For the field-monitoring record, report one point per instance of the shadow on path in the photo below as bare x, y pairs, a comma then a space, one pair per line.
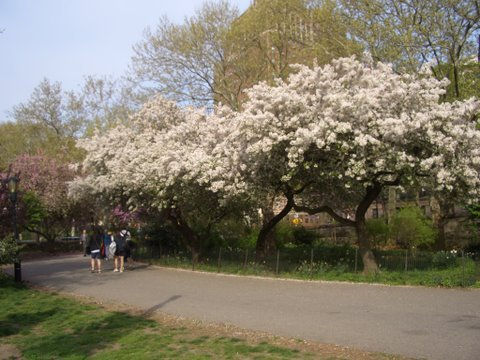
150, 311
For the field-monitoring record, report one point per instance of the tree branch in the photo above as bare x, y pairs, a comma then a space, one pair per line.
325, 209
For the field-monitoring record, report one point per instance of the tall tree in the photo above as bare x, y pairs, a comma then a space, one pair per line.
103, 102
271, 35
50, 106
409, 33
213, 56
34, 138
346, 131
181, 62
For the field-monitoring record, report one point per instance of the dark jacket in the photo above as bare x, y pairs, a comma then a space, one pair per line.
121, 242
94, 242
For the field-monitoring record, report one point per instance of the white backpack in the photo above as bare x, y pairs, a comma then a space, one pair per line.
112, 247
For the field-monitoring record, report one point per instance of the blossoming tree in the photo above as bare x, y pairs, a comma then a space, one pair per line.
342, 132
43, 185
158, 162
327, 139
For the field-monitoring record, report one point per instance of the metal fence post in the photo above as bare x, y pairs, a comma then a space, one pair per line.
406, 259
278, 260
356, 258
311, 262
219, 264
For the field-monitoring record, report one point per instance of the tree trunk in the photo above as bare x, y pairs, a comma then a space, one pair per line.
266, 241
440, 219
440, 241
369, 262
392, 203
189, 237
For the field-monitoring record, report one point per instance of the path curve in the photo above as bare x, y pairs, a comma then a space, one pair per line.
417, 322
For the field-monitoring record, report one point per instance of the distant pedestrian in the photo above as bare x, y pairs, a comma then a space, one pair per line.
121, 242
128, 249
107, 240
94, 244
83, 241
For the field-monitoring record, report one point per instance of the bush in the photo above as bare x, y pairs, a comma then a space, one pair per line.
411, 228
378, 231
284, 233
444, 260
235, 233
287, 233
156, 236
304, 236
8, 250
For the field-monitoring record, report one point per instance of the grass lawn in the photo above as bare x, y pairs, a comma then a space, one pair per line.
40, 325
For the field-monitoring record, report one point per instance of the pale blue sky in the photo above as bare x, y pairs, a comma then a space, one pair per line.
64, 40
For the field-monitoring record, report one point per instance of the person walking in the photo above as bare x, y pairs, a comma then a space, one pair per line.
83, 240
94, 244
119, 258
128, 250
107, 240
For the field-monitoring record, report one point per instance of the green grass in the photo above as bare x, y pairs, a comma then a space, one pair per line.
47, 326
461, 275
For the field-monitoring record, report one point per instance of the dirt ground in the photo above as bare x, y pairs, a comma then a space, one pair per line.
9, 352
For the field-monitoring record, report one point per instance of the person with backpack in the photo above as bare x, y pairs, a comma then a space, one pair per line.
121, 243
107, 240
128, 250
94, 244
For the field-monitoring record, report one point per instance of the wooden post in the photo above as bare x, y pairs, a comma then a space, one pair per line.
246, 259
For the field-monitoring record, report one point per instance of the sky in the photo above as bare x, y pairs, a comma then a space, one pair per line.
65, 40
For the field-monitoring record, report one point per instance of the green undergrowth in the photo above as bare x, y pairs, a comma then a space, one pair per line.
465, 274
46, 326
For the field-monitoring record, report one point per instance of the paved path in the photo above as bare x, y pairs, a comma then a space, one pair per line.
412, 321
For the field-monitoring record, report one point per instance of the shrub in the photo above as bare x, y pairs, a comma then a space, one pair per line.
8, 250
377, 230
304, 236
444, 260
284, 232
410, 228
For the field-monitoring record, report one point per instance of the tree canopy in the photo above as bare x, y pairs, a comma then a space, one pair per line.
339, 133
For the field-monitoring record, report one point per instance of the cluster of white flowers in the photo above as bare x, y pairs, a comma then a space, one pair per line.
350, 122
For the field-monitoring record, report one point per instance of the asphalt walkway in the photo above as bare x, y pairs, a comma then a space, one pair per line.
411, 321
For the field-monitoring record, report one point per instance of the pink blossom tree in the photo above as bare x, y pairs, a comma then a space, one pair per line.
43, 184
